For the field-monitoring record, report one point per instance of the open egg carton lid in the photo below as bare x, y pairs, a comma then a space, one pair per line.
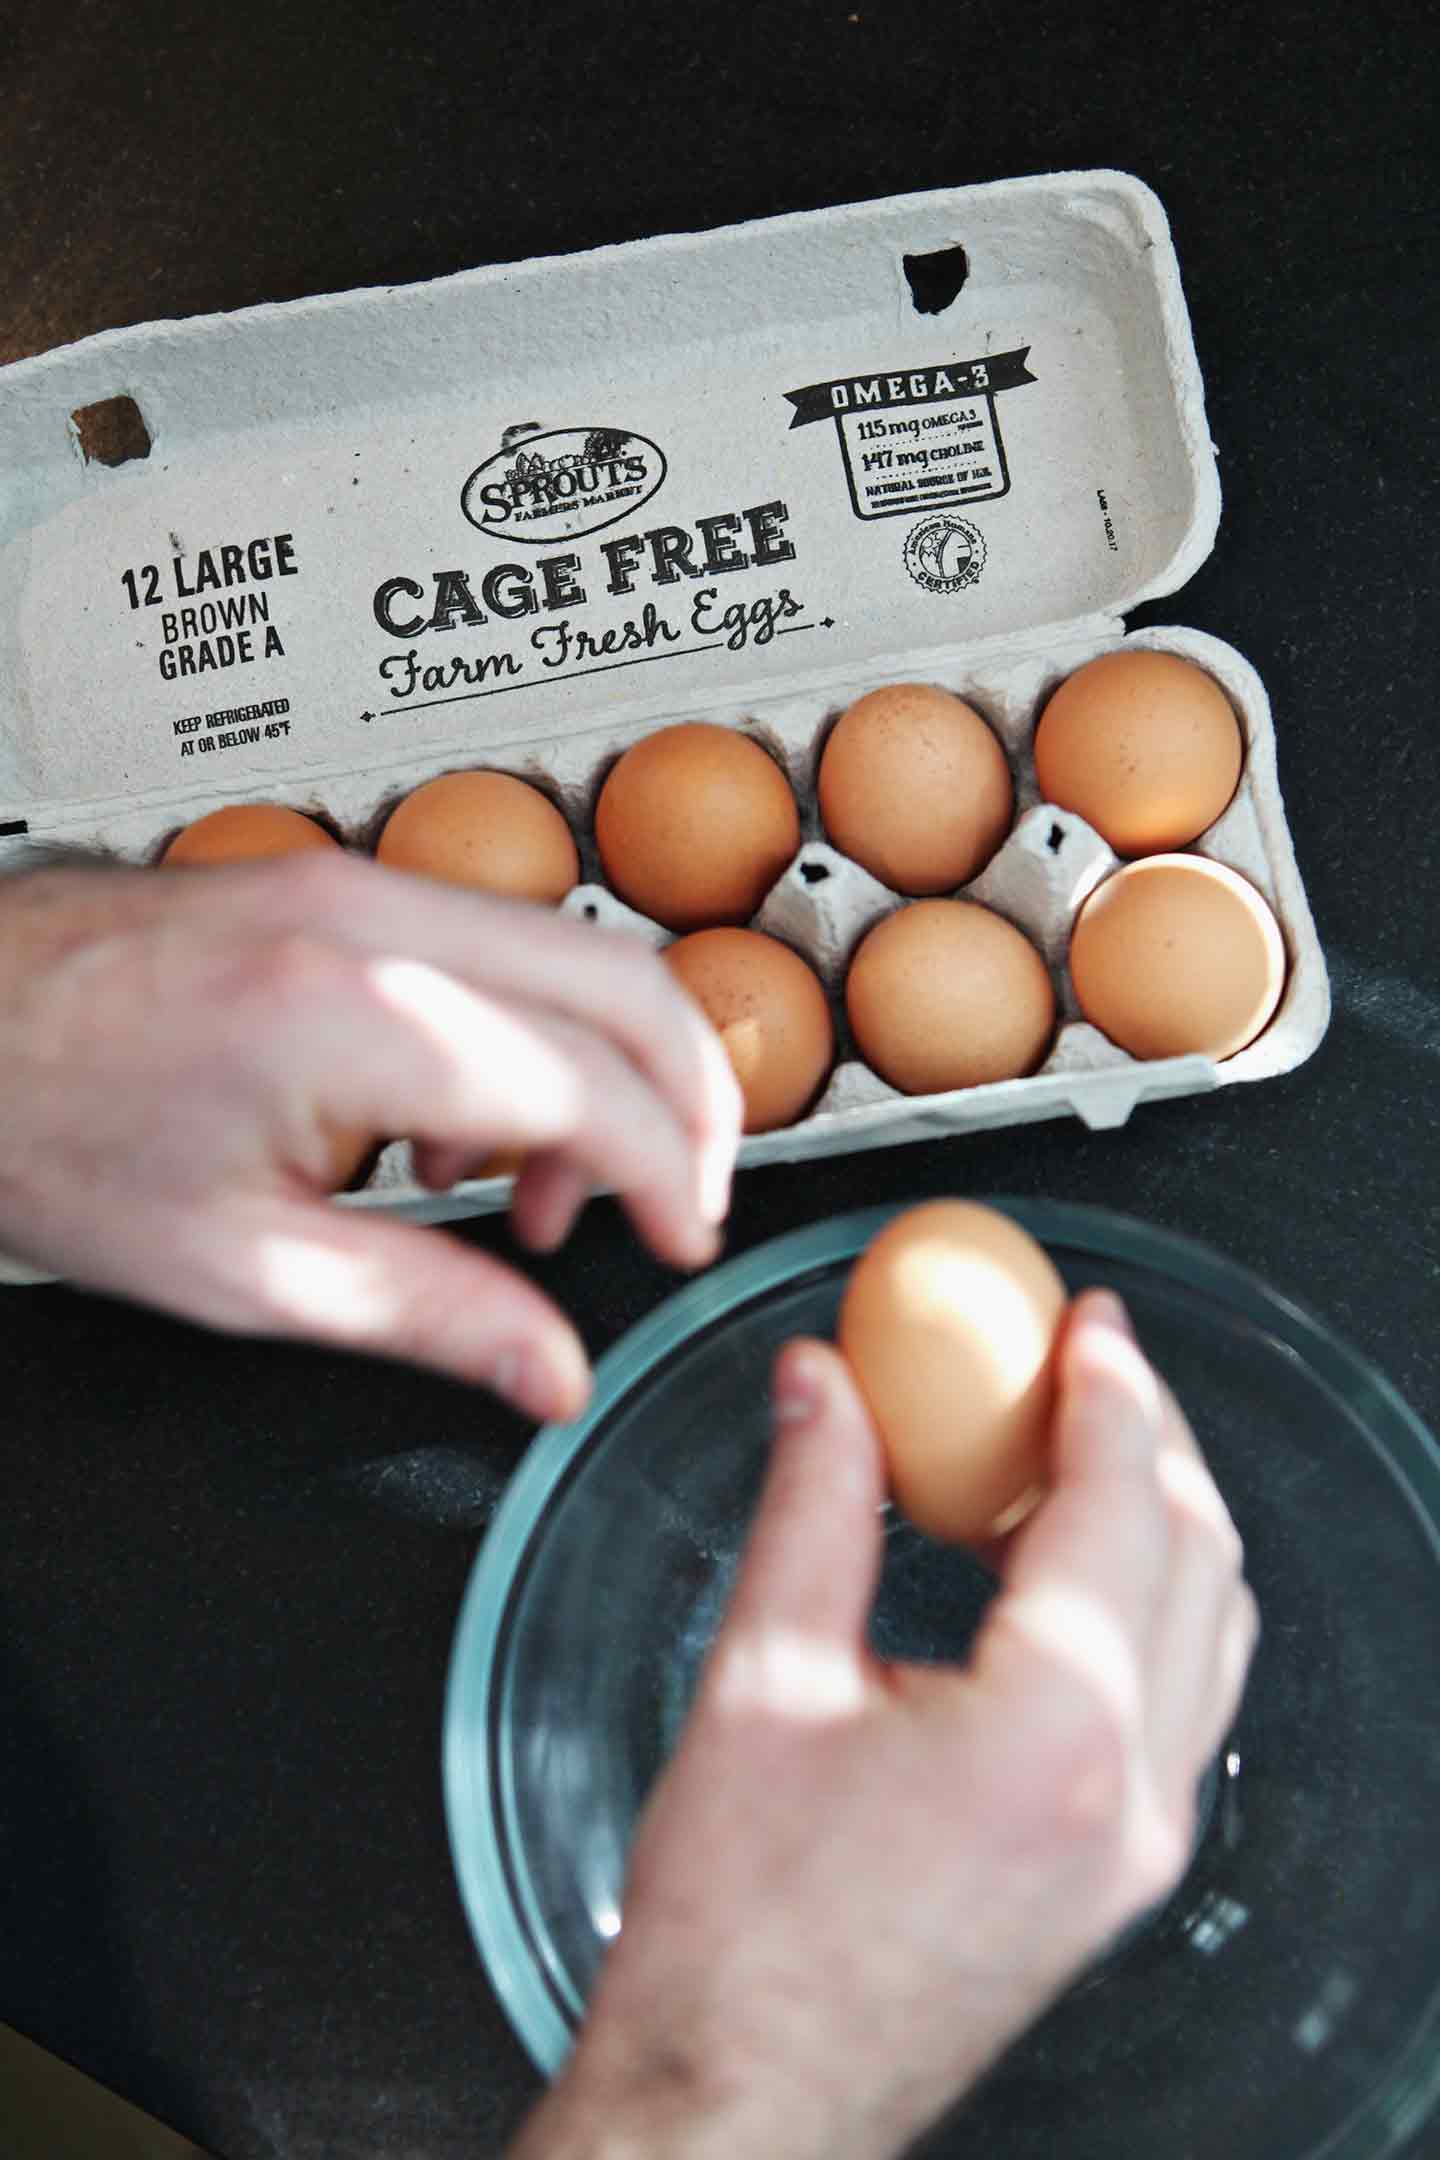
318, 552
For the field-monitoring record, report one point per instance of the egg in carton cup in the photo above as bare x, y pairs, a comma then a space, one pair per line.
519, 519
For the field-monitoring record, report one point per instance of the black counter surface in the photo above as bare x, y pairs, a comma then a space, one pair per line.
231, 1570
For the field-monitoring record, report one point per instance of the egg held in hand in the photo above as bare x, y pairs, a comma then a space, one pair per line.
948, 1324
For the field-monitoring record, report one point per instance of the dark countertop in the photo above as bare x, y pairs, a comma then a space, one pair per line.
231, 1570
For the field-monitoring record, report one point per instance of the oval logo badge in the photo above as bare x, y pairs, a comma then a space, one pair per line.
562, 484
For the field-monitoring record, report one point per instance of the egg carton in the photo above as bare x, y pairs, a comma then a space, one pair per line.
348, 424
1044, 871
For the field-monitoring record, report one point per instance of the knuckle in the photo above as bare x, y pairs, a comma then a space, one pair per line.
630, 957
1209, 1542
1226, 1544
1161, 1856
1082, 1790
290, 972
319, 877
1092, 1791
1199, 1515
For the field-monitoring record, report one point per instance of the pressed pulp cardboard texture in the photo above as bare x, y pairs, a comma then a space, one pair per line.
519, 502
521, 516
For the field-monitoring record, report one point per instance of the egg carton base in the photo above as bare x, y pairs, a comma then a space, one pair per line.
1049, 864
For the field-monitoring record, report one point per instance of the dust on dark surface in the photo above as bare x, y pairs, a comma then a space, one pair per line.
434, 1485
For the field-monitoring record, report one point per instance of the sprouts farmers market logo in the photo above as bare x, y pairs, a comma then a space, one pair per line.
561, 484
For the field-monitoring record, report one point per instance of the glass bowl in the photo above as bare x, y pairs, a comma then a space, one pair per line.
1286, 2001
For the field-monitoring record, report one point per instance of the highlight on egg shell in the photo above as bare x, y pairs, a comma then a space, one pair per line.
771, 1013
1177, 955
948, 1323
694, 825
246, 832
486, 830
914, 787
1143, 745
947, 994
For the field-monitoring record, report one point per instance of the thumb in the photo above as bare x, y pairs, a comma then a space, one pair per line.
813, 1556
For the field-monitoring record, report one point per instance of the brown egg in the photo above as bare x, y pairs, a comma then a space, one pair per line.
948, 1324
1144, 746
915, 788
350, 1152
1176, 954
483, 829
695, 824
246, 832
505, 1162
769, 1010
944, 994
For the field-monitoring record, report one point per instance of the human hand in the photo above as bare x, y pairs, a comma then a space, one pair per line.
857, 1883
186, 1056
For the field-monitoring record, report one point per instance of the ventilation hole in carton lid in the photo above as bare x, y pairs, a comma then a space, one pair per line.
935, 280
14, 828
1055, 839
814, 873
112, 432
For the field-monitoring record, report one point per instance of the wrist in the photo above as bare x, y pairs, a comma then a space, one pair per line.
672, 2106
747, 2089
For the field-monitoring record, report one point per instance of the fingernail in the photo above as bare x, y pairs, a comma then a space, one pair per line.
797, 1391
1110, 1311
549, 1236
543, 1387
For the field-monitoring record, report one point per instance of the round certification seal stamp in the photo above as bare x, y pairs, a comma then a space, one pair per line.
944, 554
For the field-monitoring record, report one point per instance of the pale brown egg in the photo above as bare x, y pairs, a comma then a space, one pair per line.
915, 788
948, 1324
483, 829
246, 832
349, 1152
769, 1010
945, 994
1144, 746
1175, 955
695, 824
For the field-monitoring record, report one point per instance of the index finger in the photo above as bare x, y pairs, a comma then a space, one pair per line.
612, 982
